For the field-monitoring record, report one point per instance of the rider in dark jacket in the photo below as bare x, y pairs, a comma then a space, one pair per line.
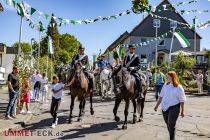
83, 58
132, 63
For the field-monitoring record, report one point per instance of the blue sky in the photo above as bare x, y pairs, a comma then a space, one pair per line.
93, 36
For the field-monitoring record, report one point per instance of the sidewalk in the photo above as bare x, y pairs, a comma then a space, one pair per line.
21, 118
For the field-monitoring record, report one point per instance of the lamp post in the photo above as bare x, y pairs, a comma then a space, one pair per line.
173, 25
156, 25
31, 51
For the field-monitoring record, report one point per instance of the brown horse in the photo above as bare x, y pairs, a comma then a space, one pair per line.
79, 88
127, 92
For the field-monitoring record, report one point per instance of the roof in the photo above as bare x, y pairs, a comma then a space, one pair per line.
9, 50
1, 8
119, 40
181, 19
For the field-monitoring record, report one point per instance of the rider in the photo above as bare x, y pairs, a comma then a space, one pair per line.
83, 58
132, 63
102, 63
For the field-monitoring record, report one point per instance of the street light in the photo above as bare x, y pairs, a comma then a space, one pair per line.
31, 51
173, 25
156, 24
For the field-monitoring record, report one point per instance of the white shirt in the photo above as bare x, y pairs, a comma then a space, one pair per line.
171, 96
56, 87
131, 55
44, 84
38, 77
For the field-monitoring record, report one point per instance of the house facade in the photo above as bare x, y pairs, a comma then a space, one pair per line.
7, 56
145, 31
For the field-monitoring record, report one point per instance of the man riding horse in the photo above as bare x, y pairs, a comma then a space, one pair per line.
83, 58
132, 63
102, 63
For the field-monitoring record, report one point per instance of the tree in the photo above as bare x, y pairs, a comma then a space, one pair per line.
207, 54
64, 57
139, 6
25, 47
69, 44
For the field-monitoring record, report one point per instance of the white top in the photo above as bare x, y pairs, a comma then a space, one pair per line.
44, 84
56, 87
38, 77
171, 96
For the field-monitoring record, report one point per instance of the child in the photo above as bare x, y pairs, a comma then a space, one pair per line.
56, 99
25, 95
44, 87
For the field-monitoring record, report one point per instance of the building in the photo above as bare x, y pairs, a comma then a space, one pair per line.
145, 32
1, 8
7, 55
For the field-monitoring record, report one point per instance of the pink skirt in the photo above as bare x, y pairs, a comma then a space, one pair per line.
26, 98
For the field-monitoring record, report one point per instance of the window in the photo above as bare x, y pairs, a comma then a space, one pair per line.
173, 24
143, 40
162, 43
143, 56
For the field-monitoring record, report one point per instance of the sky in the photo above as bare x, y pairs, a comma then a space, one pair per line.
94, 36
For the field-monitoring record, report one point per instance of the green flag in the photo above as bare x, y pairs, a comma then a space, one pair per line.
32, 11
21, 10
46, 16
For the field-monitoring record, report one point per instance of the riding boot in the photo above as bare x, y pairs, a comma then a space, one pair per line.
139, 93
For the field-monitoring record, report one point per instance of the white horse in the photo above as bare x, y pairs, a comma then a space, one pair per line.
106, 83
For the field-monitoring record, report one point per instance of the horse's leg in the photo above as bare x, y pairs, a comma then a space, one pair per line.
127, 102
116, 105
71, 108
134, 111
142, 109
91, 103
80, 110
83, 108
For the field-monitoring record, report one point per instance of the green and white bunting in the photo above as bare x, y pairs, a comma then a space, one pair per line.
21, 10
182, 39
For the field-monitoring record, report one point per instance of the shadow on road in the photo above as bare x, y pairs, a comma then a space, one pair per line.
96, 128
46, 123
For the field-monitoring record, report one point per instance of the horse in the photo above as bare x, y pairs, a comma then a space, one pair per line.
127, 92
80, 88
106, 85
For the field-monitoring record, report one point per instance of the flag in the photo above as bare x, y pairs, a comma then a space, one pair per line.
32, 11
9, 2
50, 47
183, 41
21, 10
194, 23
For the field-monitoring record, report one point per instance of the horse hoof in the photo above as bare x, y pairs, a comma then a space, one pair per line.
140, 120
79, 119
124, 127
92, 112
70, 121
134, 121
117, 119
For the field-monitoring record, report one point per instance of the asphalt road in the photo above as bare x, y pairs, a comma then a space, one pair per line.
101, 126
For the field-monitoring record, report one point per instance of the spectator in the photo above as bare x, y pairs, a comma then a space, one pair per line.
172, 96
13, 87
56, 99
37, 86
44, 87
149, 78
25, 94
158, 81
199, 79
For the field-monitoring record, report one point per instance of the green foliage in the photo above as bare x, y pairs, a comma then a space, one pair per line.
207, 54
25, 47
183, 62
70, 45
63, 57
139, 6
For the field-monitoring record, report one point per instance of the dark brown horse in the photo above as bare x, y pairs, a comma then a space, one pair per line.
79, 88
127, 92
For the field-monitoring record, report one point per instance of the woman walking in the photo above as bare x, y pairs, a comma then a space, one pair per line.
44, 88
56, 99
171, 98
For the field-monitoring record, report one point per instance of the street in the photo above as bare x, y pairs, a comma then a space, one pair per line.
194, 126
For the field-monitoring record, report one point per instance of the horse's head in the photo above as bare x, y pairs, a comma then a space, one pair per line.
78, 69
